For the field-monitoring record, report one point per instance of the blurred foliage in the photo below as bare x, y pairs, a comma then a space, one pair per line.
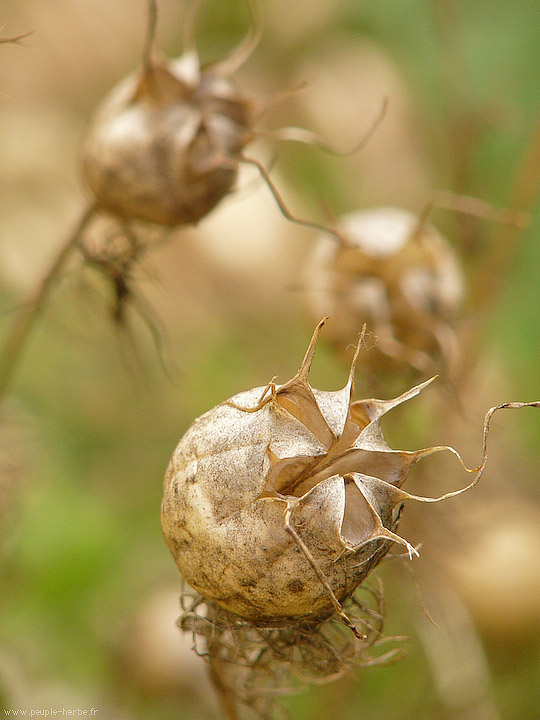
90, 430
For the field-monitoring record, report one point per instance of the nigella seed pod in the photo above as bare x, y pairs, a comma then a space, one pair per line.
163, 146
279, 501
394, 271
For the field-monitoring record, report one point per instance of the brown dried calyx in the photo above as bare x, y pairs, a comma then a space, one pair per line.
163, 145
278, 502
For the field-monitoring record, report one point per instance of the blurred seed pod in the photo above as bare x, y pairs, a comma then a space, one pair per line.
278, 502
499, 574
155, 658
395, 272
163, 145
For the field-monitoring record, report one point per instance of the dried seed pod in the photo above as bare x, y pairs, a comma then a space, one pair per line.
163, 146
278, 502
398, 274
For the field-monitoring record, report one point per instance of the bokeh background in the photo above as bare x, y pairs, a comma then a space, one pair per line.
88, 591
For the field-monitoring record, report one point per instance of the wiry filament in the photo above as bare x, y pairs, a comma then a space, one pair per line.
320, 575
298, 134
245, 48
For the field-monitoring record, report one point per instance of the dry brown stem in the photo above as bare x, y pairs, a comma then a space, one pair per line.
17, 39
496, 264
298, 134
281, 202
19, 331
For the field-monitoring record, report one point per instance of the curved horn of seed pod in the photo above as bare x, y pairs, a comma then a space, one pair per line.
279, 501
241, 53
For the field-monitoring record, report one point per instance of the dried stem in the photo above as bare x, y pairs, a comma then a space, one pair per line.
283, 207
462, 125
218, 677
241, 53
17, 39
15, 341
320, 575
298, 134
467, 205
523, 196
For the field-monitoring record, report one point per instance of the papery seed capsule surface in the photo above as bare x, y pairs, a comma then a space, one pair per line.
162, 146
278, 483
395, 273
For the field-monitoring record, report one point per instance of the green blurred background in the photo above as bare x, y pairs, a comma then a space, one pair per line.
88, 590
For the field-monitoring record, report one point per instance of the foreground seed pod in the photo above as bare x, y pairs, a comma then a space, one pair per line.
164, 144
396, 273
278, 502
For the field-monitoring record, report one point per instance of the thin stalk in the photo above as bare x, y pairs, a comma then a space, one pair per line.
225, 696
283, 207
218, 673
19, 331
461, 121
17, 39
298, 134
523, 196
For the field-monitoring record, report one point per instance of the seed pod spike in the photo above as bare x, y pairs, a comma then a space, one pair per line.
241, 53
468, 205
487, 420
190, 56
305, 367
302, 135
373, 409
190, 19
149, 47
352, 370
276, 98
296, 396
351, 429
17, 39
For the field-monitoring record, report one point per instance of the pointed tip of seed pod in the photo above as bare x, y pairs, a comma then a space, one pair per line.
361, 337
414, 391
303, 372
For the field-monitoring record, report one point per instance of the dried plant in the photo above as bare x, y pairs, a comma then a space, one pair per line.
279, 502
162, 150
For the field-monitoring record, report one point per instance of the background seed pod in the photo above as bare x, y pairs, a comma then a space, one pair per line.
394, 272
163, 145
